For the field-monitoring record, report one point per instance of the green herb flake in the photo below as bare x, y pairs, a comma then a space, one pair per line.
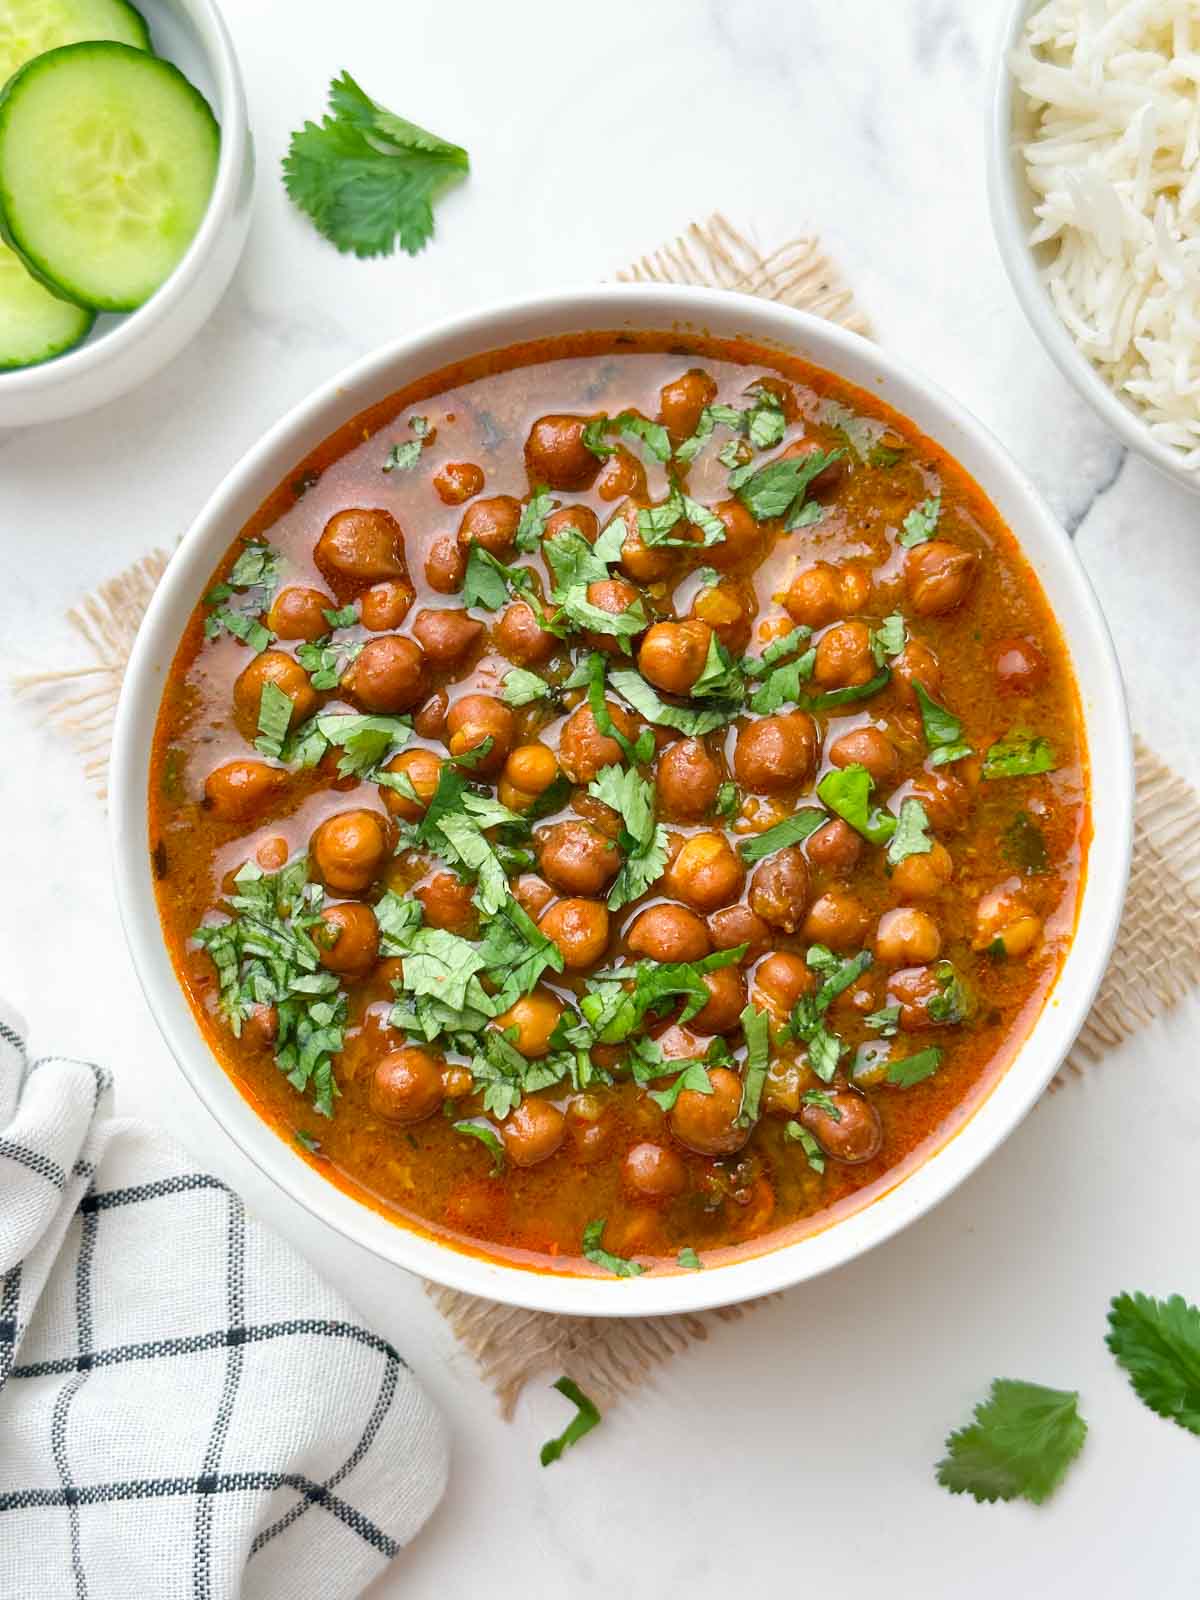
911, 837
914, 1069
777, 490
921, 522
532, 525
792, 830
756, 1026
587, 1417
1157, 1343
490, 1140
522, 688
1020, 754
643, 840
799, 1134
688, 1258
306, 1141
347, 617
943, 731
688, 720
847, 791
403, 457
1024, 845
274, 715
1020, 1444
594, 1252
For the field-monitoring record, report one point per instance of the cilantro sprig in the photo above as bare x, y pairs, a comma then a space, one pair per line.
1020, 1443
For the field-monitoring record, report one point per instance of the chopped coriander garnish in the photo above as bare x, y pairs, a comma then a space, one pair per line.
403, 457
368, 178
885, 1021
921, 522
487, 581
1020, 754
911, 837
694, 1076
588, 1416
647, 700
489, 1139
831, 698
347, 617
1024, 845
943, 730
306, 1141
594, 1252
274, 714
847, 791
756, 1026
522, 688
777, 490
813, 1153
821, 1100
728, 801
533, 520
643, 840
1020, 1444
1157, 1342
251, 583
889, 638
792, 830
914, 1069
688, 1258
951, 1004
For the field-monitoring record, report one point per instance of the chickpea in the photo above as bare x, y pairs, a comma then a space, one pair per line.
707, 873
743, 541
272, 666
530, 770
583, 750
457, 1082
582, 518
776, 753
423, 769
916, 663
852, 1132
580, 930
1004, 916
615, 596
681, 401
906, 937
590, 1127
448, 903
387, 675
687, 781
672, 655
384, 606
445, 565
491, 524
406, 1085
668, 933
355, 935
938, 576
447, 636
835, 846
348, 849
597, 813
837, 919
520, 637
272, 853
844, 656
780, 980
820, 594
532, 894
576, 858
477, 717
298, 613
556, 455
238, 789
736, 925
533, 1132
924, 876
708, 1123
946, 799
535, 1017
653, 1172
722, 1011
912, 990
779, 888
621, 474
867, 747
1019, 665
458, 481
430, 720
729, 609
358, 548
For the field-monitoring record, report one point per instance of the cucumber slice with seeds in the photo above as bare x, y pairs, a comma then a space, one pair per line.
35, 325
29, 28
107, 162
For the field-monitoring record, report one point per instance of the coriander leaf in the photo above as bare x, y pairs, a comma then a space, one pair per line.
812, 1150
1023, 1439
468, 845
921, 522
652, 434
889, 638
825, 1051
594, 1252
588, 1417
779, 488
403, 457
306, 1141
728, 801
781, 686
533, 520
256, 568
522, 688
792, 830
489, 1139
366, 177
688, 1258
943, 730
246, 628
756, 1026
637, 752
366, 741
645, 843
593, 438
823, 1101
847, 696
487, 580
735, 454
914, 1069
1024, 845
613, 1012
274, 714
776, 651
837, 972
347, 617
952, 1003
860, 433
885, 1021
848, 793
645, 699
1157, 1342
765, 422
515, 952
911, 837
720, 674
1020, 754
576, 609
712, 529
693, 1076
573, 560
809, 514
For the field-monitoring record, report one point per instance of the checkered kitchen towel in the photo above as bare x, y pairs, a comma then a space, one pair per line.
185, 1408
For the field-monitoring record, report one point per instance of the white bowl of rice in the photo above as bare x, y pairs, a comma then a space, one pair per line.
1094, 175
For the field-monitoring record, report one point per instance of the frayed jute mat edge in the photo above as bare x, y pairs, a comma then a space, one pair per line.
1156, 960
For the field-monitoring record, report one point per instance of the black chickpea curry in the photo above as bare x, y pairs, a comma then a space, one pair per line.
621, 803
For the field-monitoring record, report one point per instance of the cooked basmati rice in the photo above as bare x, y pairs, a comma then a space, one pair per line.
1115, 159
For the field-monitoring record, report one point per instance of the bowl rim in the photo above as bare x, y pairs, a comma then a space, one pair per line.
214, 43
653, 306
1010, 229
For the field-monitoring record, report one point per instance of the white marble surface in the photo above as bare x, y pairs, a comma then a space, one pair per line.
795, 1448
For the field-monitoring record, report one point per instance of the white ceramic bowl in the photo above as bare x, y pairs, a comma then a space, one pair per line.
635, 307
1013, 220
122, 351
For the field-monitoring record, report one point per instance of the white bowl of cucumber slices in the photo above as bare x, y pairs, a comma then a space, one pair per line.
126, 177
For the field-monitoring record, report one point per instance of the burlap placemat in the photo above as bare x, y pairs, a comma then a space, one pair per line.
1157, 955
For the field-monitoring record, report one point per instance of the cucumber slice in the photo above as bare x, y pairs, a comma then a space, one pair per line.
34, 324
107, 162
28, 28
